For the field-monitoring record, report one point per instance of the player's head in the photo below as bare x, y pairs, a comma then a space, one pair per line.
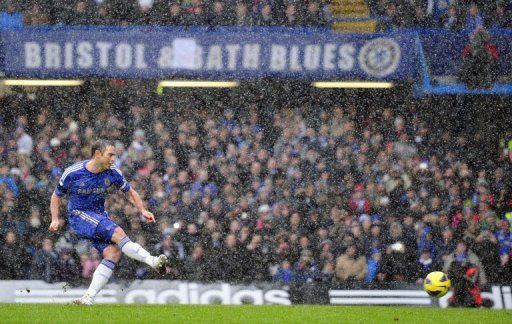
103, 153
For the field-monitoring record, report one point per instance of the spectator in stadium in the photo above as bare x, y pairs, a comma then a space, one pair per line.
80, 14
505, 268
421, 18
29, 196
196, 13
34, 230
35, 15
89, 262
373, 266
451, 20
11, 17
480, 61
173, 249
445, 246
426, 242
351, 266
284, 274
220, 14
313, 16
242, 15
12, 249
486, 248
425, 265
102, 15
69, 267
500, 18
466, 288
202, 187
394, 265
474, 19
145, 13
259, 258
504, 238
306, 269
406, 12
195, 265
265, 16
121, 12
7, 180
462, 257
373, 240
291, 15
230, 260
45, 263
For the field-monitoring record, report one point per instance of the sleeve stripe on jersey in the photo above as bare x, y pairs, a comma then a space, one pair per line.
116, 169
68, 171
124, 185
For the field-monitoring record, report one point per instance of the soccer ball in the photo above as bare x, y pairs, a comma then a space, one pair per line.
437, 284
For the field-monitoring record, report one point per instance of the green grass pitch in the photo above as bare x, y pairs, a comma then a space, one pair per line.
57, 313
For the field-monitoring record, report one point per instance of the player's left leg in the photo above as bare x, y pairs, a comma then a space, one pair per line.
106, 233
111, 256
137, 252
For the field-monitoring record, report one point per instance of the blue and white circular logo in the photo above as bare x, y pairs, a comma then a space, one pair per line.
380, 57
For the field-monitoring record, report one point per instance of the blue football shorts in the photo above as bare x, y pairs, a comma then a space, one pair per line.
96, 227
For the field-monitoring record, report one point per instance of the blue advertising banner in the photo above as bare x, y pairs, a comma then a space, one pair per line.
225, 53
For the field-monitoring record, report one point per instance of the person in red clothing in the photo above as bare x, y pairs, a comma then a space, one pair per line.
358, 203
479, 61
467, 290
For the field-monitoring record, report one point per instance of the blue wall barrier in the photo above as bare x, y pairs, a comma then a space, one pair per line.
309, 53
204, 52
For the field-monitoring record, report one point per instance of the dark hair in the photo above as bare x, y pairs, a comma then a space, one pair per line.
100, 145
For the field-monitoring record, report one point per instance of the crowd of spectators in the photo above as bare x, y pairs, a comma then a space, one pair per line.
454, 15
326, 194
164, 12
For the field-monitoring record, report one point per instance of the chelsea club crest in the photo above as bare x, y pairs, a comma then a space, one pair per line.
107, 182
380, 57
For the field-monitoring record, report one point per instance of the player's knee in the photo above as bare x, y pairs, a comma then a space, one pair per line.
112, 253
118, 235
117, 255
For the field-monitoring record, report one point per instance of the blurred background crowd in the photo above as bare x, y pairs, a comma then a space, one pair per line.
312, 187
449, 14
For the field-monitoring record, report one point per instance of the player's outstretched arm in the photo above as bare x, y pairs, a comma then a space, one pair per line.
54, 209
137, 202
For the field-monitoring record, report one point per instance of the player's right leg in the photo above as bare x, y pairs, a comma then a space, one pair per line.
137, 252
111, 256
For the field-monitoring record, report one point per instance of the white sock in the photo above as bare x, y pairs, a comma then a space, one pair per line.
100, 277
137, 252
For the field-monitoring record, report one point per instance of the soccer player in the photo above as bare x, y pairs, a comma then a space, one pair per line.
86, 184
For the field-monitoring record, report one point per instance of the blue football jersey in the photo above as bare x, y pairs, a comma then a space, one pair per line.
86, 191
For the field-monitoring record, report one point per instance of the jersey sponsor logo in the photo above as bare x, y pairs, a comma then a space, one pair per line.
89, 191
